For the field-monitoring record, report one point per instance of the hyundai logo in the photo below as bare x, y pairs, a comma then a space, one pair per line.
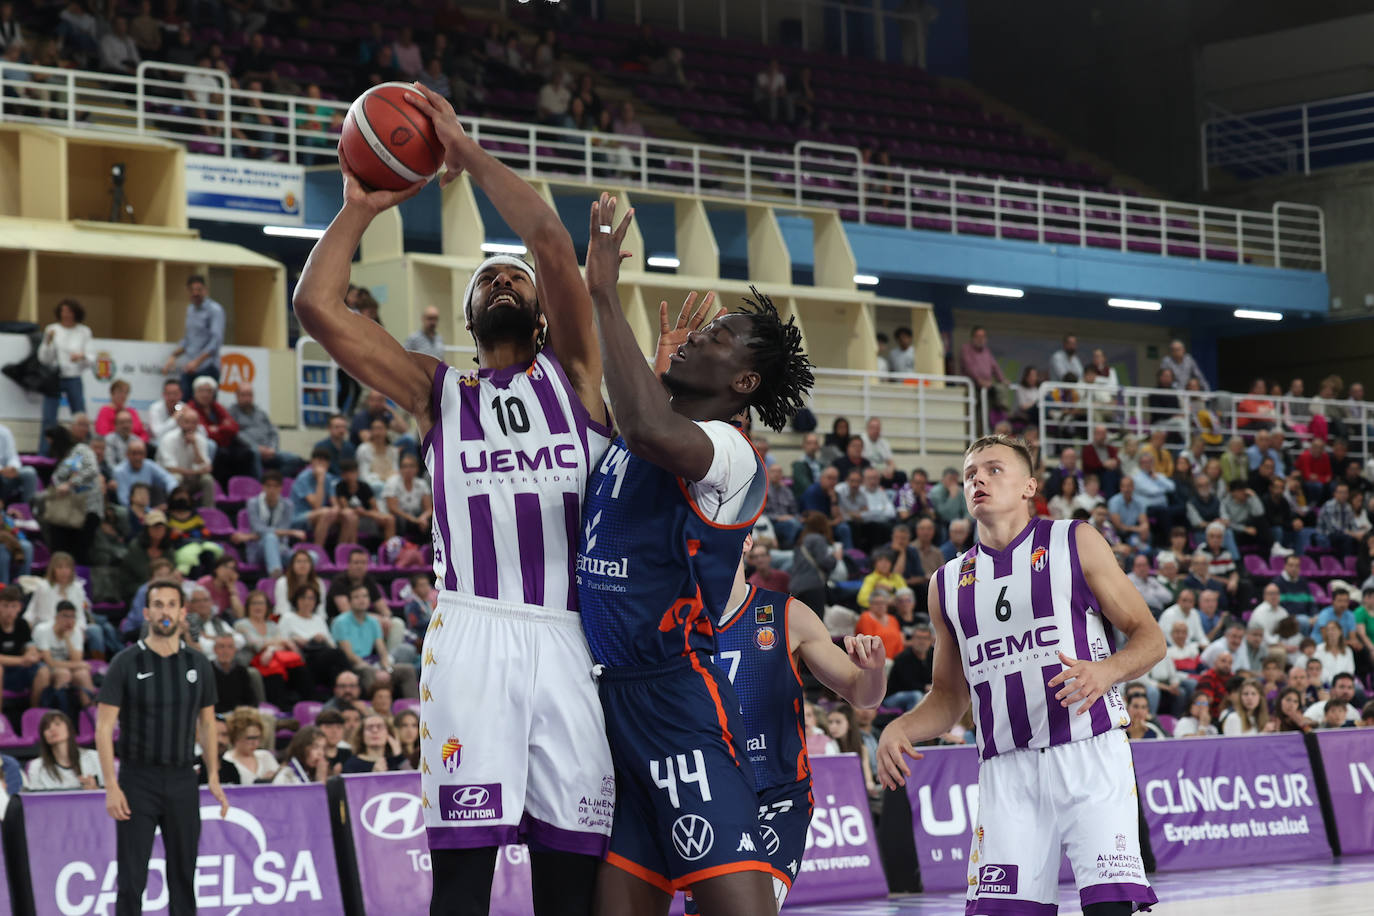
393, 816
992, 874
471, 796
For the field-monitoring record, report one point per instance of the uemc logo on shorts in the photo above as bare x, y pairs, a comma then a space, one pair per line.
470, 803
997, 879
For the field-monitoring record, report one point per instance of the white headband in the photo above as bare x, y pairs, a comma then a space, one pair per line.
499, 259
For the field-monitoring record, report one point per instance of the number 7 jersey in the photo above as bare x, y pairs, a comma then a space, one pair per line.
509, 455
1011, 612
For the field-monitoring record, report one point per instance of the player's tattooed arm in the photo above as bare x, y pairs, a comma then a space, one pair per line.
643, 414
377, 360
855, 672
938, 712
562, 294
1084, 681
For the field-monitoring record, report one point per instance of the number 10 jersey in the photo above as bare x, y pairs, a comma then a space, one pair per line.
1012, 611
509, 455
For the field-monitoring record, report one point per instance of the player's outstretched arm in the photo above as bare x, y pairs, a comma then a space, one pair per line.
854, 672
938, 712
371, 356
643, 415
563, 296
1084, 681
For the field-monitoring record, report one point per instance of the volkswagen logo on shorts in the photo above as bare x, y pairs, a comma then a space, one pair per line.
393, 816
471, 796
692, 837
770, 839
993, 873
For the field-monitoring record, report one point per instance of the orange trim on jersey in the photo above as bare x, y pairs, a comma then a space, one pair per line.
639, 871
715, 871
782, 876
721, 716
682, 485
748, 600
803, 758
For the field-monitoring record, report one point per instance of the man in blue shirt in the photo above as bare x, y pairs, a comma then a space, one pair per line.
1128, 515
337, 445
1262, 450
359, 635
312, 502
198, 352
1339, 611
136, 468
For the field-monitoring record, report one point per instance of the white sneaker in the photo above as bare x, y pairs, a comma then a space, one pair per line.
1278, 550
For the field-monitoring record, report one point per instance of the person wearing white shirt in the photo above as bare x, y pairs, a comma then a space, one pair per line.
1185, 610
901, 359
1198, 723
66, 347
18, 481
118, 53
878, 452
1268, 612
247, 753
1172, 690
1245, 654
1065, 360
162, 416
408, 497
377, 459
185, 452
60, 645
1248, 714
1155, 593
60, 764
1336, 657
1342, 688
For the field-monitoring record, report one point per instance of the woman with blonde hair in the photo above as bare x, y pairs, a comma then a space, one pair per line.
375, 747
1249, 713
248, 746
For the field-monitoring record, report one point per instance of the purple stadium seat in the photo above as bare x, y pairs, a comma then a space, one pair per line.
341, 553
266, 586
242, 489
1348, 566
305, 711
1310, 567
85, 726
403, 704
217, 522
241, 520
28, 723
9, 738
271, 710
1256, 566
398, 585
1167, 723
1332, 567
322, 561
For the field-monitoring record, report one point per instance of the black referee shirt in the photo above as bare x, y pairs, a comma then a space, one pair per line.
159, 699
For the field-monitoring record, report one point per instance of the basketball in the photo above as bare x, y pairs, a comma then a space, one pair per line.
387, 142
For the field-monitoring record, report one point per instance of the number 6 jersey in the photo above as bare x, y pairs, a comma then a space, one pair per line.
1011, 611
509, 454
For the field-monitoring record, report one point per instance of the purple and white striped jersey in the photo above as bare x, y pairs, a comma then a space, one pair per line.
1011, 611
510, 453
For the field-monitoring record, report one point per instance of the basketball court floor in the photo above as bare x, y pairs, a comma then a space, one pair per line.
1335, 888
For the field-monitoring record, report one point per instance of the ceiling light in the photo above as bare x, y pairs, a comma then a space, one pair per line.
1258, 315
662, 260
292, 232
1144, 305
865, 280
502, 248
1006, 292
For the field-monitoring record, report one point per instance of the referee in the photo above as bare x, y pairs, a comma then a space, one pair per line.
159, 691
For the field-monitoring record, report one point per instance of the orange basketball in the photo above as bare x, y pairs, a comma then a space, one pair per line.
387, 142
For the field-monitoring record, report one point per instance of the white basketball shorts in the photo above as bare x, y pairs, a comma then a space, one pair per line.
1036, 806
512, 738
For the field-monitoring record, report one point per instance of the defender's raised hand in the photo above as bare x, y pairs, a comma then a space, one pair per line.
604, 253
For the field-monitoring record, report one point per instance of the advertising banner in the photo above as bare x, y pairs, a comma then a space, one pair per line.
387, 825
245, 191
1348, 758
1219, 802
272, 853
943, 790
138, 363
388, 829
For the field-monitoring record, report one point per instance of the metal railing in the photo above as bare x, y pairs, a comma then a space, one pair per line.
921, 413
213, 118
1068, 414
1290, 139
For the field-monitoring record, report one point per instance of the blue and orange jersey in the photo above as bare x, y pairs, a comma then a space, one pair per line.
752, 650
653, 572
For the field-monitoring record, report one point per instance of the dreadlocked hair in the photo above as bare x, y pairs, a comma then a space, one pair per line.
783, 367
